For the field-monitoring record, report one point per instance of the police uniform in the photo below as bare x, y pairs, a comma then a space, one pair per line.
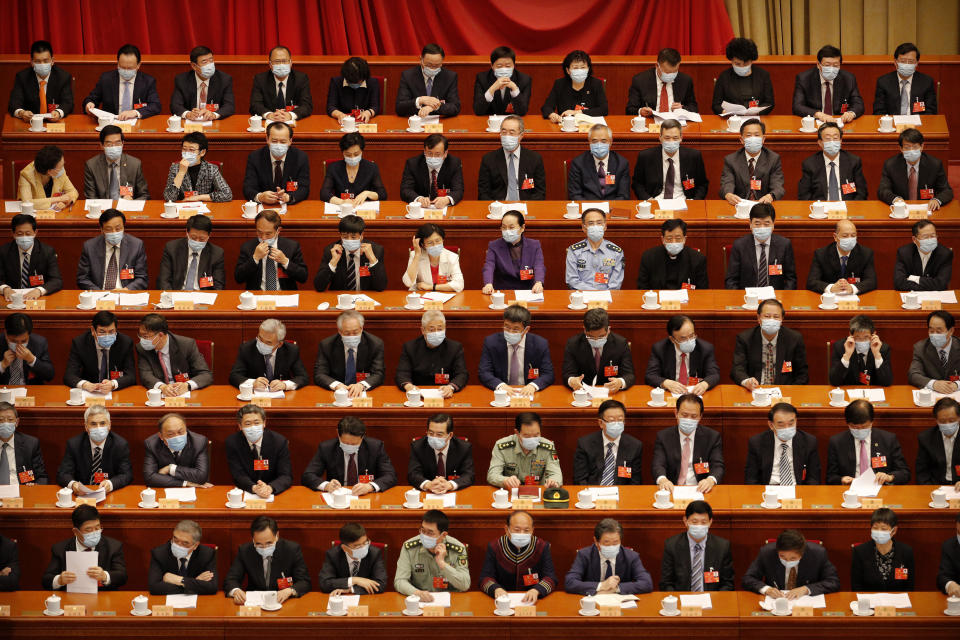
417, 568
509, 460
594, 270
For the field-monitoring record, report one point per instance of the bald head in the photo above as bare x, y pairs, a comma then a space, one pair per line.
845, 226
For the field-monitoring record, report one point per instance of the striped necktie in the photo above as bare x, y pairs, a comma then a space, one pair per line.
786, 469
609, 467
696, 570
96, 464
25, 271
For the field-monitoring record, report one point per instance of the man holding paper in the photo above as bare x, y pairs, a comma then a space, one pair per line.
124, 91
96, 457
515, 359
662, 88
352, 459
924, 264
782, 455
688, 454
183, 565
174, 456
791, 568
861, 449
106, 571
938, 455
914, 175
597, 356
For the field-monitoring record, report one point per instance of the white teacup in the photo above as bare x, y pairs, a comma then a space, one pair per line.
249, 209
498, 298
76, 395
899, 209
828, 299
36, 123
743, 209
953, 605
662, 498
246, 391
341, 396
733, 123
235, 497
6, 395
412, 604
335, 604
494, 122
573, 209
248, 300
64, 496
638, 124
650, 298
669, 604
415, 210
771, 499
761, 396
886, 123
939, 498
781, 606
818, 209
503, 604
88, 299
925, 396
501, 497
657, 394
174, 123
414, 300
52, 603
148, 496
495, 208
270, 599
169, 209
345, 300
140, 603
415, 123
255, 122
576, 299
644, 209
349, 123
154, 396
500, 396
912, 300
580, 396
808, 123
585, 497
16, 299
863, 606
412, 497
413, 396
95, 209
104, 121
26, 208
836, 396
341, 498
588, 604
568, 123
346, 209
750, 300
850, 498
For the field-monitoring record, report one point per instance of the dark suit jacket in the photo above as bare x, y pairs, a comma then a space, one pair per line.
110, 554
687, 267
864, 575
42, 369
412, 86
840, 375
648, 173
842, 453
96, 177
259, 174
886, 98
219, 92
9, 557
83, 362
925, 365
931, 458
327, 464
335, 571
825, 268
583, 184
296, 91
250, 273
331, 364
930, 175
344, 98
592, 97
675, 566
495, 361
760, 452
578, 359
735, 177
287, 562
949, 563
707, 447
419, 364
505, 104
43, 262
748, 357
589, 456
193, 463
77, 462
662, 364
492, 181
176, 260
184, 358
934, 277
730, 87
742, 266
813, 181
808, 93
90, 271
415, 181
286, 365
273, 448
202, 559
106, 94
458, 462
643, 92
586, 572
26, 91
500, 270
815, 571
29, 457
335, 181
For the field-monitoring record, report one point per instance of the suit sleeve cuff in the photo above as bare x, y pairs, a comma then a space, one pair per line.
375, 486
845, 362
878, 362
290, 385
488, 97
115, 384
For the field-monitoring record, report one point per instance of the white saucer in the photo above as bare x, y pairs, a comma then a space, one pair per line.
894, 130
749, 307
54, 614
170, 216
828, 307
669, 614
16, 306
498, 405
66, 506
148, 506
495, 307
40, 130
781, 615
346, 307
589, 614
354, 130
856, 610
754, 403
580, 405
580, 307
243, 308
336, 615
911, 307
404, 611
260, 130
494, 505
248, 217
802, 130
650, 307
509, 612
848, 506
640, 216
75, 404
895, 217
822, 216
91, 216
933, 506
409, 130
276, 607
408, 307
644, 130
568, 216
343, 404
347, 506
153, 404
412, 405
412, 505
585, 506
666, 506
134, 612
244, 399
562, 130
947, 613
765, 506
651, 403
83, 308
410, 217
169, 130
230, 506
489, 130
838, 405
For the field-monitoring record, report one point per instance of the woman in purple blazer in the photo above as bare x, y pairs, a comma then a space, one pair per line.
513, 261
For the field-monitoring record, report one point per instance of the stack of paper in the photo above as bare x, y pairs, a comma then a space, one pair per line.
528, 295
580, 117
896, 600
197, 297
605, 493
783, 493
626, 601
686, 493
182, 601
701, 600
90, 394
440, 599
945, 297
11, 206
596, 391
254, 598
252, 496
745, 214
334, 209
682, 115
365, 297
672, 204
602, 296
133, 299
328, 498
603, 206
762, 293
78, 562
9, 490
183, 494
817, 602
731, 109
130, 205
192, 207
202, 123
910, 119
873, 395
105, 203
449, 499
515, 206
835, 205
674, 295
268, 394
438, 296
430, 393
865, 485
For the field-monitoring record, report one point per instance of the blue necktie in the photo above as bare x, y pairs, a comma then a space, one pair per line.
351, 375
833, 186
843, 266
126, 104
268, 367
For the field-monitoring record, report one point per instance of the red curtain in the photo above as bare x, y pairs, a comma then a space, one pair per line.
368, 27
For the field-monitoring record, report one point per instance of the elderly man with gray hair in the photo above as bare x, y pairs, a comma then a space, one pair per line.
268, 361
183, 565
432, 360
351, 358
599, 174
512, 172
96, 457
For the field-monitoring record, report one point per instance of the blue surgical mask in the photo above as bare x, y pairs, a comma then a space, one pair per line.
195, 245
178, 551
25, 242
595, 232
880, 536
862, 346
106, 340
281, 70
253, 433
789, 564
349, 449
189, 156
278, 149
42, 69
673, 248
769, 326
354, 85
938, 340
520, 540
829, 73
860, 434
266, 552
671, 146
687, 346
114, 237
127, 74
434, 163
912, 155
207, 70
113, 153
529, 444
927, 244
272, 241
98, 434
503, 72
7, 429
742, 71
264, 348
147, 344
906, 70
609, 551
698, 531
667, 78
350, 244
762, 234
428, 542
510, 236
351, 342
437, 444
687, 425
753, 144
434, 338
847, 243
597, 343
352, 161
435, 250
579, 75
509, 143
12, 346
948, 429
613, 429
831, 147
92, 539
431, 72
360, 552
177, 443
600, 150
512, 338
786, 434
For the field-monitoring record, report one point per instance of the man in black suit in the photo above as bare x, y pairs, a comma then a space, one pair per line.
762, 258
673, 265
599, 174
355, 566
861, 359
681, 360
351, 264
515, 359
914, 175
167, 361
688, 454
439, 461
351, 358
948, 577
269, 563
27, 263
936, 360
26, 360
904, 91
502, 90
278, 173
174, 456
21, 461
281, 94
924, 264
862, 448
269, 361
259, 460
110, 571
113, 259
192, 262
95, 457
608, 456
433, 178
125, 91
523, 179
843, 267
755, 173
598, 356
100, 360
790, 568
428, 89
270, 262
670, 170
432, 359
9, 565
769, 353
697, 560
203, 93
56, 96
937, 444
782, 455
183, 565
350, 460
663, 88
827, 91
834, 174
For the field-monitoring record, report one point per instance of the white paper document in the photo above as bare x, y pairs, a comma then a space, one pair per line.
865, 485
834, 205
440, 599
438, 296
817, 602
202, 123
252, 496
685, 492
515, 206
945, 297
183, 494
292, 300
182, 601
104, 203
783, 493
910, 119
192, 207
100, 113
134, 299
430, 393
365, 297
674, 295
528, 295
762, 293
873, 395
672, 204
897, 600
77, 563
918, 207
602, 296
701, 600
328, 498
331, 209
745, 214
605, 493
581, 117
254, 598
268, 394
682, 115
105, 396
596, 391
11, 206
603, 206
348, 601
952, 494
449, 500
130, 205
9, 490
626, 601
197, 297
731, 109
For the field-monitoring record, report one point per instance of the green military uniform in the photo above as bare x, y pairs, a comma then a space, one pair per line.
417, 568
509, 459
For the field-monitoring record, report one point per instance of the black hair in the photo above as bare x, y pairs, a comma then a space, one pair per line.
577, 55
742, 48
442, 418
526, 417
198, 52
675, 323
859, 411
351, 426
351, 532
905, 48
610, 404
155, 322
791, 540
432, 49
276, 124
583, 216
829, 51
355, 70
699, 506
668, 55
200, 222
129, 50
945, 402
110, 214
261, 523
671, 224
910, 135
884, 515
920, 225
671, 123
516, 214
946, 316
828, 125
196, 137
47, 157
781, 407
110, 130
763, 210
84, 513
750, 121
437, 517
434, 139
690, 397
17, 324
772, 301
22, 218
103, 318
596, 318
516, 313
351, 224
250, 408
279, 46
502, 52
39, 46
428, 229
352, 139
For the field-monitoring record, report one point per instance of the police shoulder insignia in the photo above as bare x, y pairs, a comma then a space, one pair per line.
579, 245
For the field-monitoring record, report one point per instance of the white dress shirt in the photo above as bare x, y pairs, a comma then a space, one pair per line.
948, 444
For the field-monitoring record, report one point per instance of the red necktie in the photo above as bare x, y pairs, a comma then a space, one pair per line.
828, 100
664, 105
352, 470
912, 184
203, 93
166, 372
683, 378
433, 183
441, 467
